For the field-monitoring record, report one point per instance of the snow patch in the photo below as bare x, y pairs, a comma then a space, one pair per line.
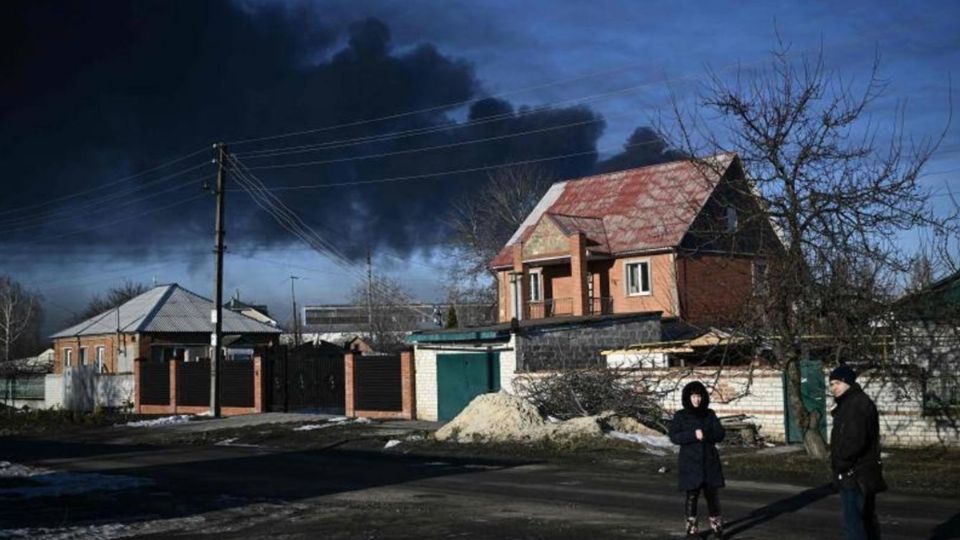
657, 445
163, 421
391, 443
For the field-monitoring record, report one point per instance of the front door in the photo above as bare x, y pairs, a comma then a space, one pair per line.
462, 377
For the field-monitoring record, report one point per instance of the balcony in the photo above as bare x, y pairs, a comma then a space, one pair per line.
563, 307
550, 307
599, 305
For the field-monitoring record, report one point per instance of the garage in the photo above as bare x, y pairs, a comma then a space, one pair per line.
464, 376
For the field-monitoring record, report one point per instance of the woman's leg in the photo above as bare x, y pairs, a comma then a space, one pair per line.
713, 504
691, 511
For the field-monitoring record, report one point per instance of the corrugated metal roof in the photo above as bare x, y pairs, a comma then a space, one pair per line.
646, 208
167, 308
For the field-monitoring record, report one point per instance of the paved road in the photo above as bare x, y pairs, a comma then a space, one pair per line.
244, 492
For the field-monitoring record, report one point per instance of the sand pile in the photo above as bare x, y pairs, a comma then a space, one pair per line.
495, 417
504, 417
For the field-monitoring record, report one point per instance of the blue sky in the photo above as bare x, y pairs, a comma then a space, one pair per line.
622, 59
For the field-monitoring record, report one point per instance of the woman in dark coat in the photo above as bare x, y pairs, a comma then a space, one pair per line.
697, 429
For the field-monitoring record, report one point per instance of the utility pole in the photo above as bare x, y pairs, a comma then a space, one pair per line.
369, 295
296, 317
216, 339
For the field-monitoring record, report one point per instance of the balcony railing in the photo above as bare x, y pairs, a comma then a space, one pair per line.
550, 307
600, 305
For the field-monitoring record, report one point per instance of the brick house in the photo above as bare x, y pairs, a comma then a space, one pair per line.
687, 238
163, 323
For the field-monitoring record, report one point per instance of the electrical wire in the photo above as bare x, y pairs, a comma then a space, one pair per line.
102, 186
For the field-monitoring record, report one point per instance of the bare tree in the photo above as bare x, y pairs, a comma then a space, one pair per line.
19, 312
115, 296
390, 316
837, 189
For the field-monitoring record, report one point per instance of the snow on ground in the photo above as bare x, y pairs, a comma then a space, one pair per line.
332, 422
391, 443
654, 444
163, 421
49, 483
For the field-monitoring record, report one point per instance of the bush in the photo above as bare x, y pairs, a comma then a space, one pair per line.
591, 391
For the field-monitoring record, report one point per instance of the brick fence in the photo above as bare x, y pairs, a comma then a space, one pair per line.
352, 387
175, 376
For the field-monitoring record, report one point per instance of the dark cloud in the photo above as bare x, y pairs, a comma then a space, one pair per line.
98, 90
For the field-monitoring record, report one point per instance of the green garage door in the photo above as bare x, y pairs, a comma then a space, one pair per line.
462, 377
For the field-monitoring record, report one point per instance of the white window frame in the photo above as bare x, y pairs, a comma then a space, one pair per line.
759, 287
535, 294
82, 356
626, 277
101, 354
68, 357
730, 219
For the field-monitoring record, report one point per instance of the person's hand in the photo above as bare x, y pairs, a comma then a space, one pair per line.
699, 434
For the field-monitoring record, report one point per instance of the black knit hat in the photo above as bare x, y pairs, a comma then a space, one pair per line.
843, 373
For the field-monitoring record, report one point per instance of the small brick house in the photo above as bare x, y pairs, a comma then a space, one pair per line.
687, 238
163, 323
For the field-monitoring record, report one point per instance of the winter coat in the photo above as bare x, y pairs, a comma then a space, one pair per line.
855, 442
699, 461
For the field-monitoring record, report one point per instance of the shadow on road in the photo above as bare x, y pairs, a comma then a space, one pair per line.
187, 481
947, 530
773, 510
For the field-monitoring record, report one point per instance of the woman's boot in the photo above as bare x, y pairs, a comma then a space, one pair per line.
693, 529
716, 525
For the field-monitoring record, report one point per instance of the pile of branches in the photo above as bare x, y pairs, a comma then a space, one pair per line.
591, 391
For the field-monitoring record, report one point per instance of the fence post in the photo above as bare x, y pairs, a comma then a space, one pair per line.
408, 384
173, 384
257, 384
136, 384
348, 406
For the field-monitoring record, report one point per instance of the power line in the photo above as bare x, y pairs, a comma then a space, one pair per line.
738, 65
103, 186
40, 221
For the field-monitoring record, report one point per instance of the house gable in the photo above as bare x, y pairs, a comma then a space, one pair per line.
546, 240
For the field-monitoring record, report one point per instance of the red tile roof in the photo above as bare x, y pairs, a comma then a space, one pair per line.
626, 211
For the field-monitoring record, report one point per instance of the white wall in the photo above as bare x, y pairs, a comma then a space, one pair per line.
81, 388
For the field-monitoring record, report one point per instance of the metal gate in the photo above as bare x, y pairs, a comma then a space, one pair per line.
813, 390
462, 377
377, 383
308, 378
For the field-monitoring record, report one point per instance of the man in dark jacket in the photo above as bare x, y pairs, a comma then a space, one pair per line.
855, 454
697, 429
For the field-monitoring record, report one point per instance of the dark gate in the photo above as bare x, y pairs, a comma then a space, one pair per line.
308, 378
193, 383
377, 383
154, 382
236, 383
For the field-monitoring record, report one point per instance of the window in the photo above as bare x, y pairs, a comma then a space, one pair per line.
536, 287
68, 357
101, 352
759, 277
82, 358
731, 219
638, 278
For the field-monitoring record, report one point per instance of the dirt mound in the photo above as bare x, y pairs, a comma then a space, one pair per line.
495, 417
504, 417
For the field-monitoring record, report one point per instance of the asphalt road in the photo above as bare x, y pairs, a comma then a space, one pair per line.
242, 492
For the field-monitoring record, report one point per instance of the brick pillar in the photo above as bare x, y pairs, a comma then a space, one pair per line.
173, 384
408, 382
136, 384
348, 406
522, 282
578, 273
257, 384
